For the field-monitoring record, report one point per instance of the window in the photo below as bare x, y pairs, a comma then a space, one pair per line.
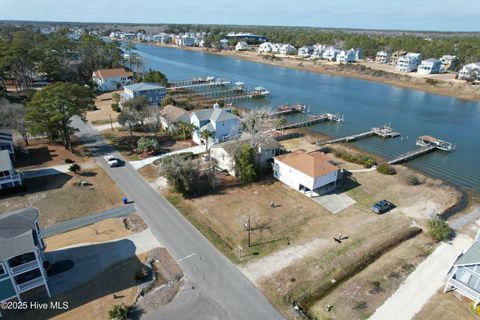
2, 269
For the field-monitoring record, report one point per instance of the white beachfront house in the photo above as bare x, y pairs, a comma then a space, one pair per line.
22, 255
470, 72
288, 49
9, 178
449, 62
382, 57
310, 173
241, 46
331, 53
224, 153
409, 62
276, 48
318, 50
265, 47
346, 56
221, 123
305, 51
185, 41
111, 79
430, 66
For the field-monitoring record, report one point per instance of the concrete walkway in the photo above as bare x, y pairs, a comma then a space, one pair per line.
81, 263
423, 283
48, 171
141, 163
470, 217
373, 168
88, 220
107, 126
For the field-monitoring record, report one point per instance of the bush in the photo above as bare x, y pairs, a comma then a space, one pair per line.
74, 168
69, 161
116, 107
385, 168
431, 81
145, 144
438, 229
362, 159
118, 312
412, 180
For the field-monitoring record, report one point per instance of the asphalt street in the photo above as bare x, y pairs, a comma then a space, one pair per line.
215, 288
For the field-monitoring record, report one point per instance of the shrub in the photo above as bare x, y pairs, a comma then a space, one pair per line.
118, 312
431, 81
69, 161
74, 168
413, 180
385, 168
116, 107
145, 144
438, 229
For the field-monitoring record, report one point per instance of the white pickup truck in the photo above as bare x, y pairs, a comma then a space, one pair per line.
111, 161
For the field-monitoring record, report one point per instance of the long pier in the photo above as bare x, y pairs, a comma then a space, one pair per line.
384, 132
205, 85
411, 154
311, 121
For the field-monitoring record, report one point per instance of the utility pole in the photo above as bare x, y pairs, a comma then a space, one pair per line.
248, 229
111, 123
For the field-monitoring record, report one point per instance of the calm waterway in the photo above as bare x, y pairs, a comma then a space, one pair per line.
364, 104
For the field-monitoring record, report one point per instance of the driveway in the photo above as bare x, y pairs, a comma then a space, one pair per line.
48, 171
423, 283
220, 291
82, 262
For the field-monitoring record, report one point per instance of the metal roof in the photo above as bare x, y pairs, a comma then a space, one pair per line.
142, 86
471, 256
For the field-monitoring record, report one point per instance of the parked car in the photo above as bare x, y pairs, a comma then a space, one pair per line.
111, 161
382, 206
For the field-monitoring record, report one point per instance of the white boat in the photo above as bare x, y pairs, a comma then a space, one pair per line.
260, 92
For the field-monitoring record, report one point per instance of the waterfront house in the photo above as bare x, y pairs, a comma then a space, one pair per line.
265, 47
170, 115
153, 92
464, 274
185, 41
276, 48
310, 173
22, 255
346, 56
470, 72
330, 53
241, 46
287, 49
305, 51
449, 62
223, 43
6, 142
358, 53
430, 66
318, 50
382, 57
9, 178
247, 37
224, 153
222, 124
409, 62
396, 55
111, 79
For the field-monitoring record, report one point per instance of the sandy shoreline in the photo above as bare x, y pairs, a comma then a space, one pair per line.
451, 88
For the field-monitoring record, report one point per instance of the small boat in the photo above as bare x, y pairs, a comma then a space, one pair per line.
260, 92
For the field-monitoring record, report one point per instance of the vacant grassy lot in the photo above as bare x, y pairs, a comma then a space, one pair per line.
60, 199
446, 307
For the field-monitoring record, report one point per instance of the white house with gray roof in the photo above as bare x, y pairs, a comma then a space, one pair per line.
430, 66
221, 123
464, 274
21, 254
152, 91
9, 178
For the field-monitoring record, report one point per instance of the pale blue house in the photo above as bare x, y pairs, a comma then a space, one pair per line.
153, 92
221, 123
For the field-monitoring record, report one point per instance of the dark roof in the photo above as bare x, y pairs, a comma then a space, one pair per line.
471, 256
17, 232
230, 146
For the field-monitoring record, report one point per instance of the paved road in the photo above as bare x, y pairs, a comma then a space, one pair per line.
220, 291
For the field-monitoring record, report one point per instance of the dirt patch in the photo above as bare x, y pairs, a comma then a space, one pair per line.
102, 231
446, 307
134, 223
60, 199
104, 111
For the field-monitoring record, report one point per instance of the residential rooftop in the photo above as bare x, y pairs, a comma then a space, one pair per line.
110, 73
313, 164
17, 232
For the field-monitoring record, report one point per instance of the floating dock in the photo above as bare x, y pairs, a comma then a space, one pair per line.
426, 144
311, 120
287, 109
384, 132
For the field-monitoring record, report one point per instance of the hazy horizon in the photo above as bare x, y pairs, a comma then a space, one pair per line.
409, 15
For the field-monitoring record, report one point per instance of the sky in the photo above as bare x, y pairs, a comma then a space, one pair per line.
436, 15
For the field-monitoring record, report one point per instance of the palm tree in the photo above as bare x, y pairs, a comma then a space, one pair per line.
185, 128
205, 135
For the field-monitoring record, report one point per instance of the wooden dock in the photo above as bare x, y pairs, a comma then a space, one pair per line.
206, 85
310, 121
384, 132
411, 154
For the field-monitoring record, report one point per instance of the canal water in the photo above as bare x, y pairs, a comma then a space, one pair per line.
364, 104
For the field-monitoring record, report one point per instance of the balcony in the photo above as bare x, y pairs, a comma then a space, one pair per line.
25, 286
464, 289
11, 178
24, 267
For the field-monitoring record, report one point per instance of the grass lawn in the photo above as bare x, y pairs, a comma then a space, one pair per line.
59, 199
446, 307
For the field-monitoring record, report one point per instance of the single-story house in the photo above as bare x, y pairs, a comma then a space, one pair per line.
170, 115
311, 173
9, 177
21, 255
464, 274
430, 66
224, 152
111, 79
222, 124
153, 92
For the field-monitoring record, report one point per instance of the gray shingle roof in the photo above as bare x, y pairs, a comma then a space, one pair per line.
471, 256
215, 115
17, 231
141, 86
5, 161
230, 146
